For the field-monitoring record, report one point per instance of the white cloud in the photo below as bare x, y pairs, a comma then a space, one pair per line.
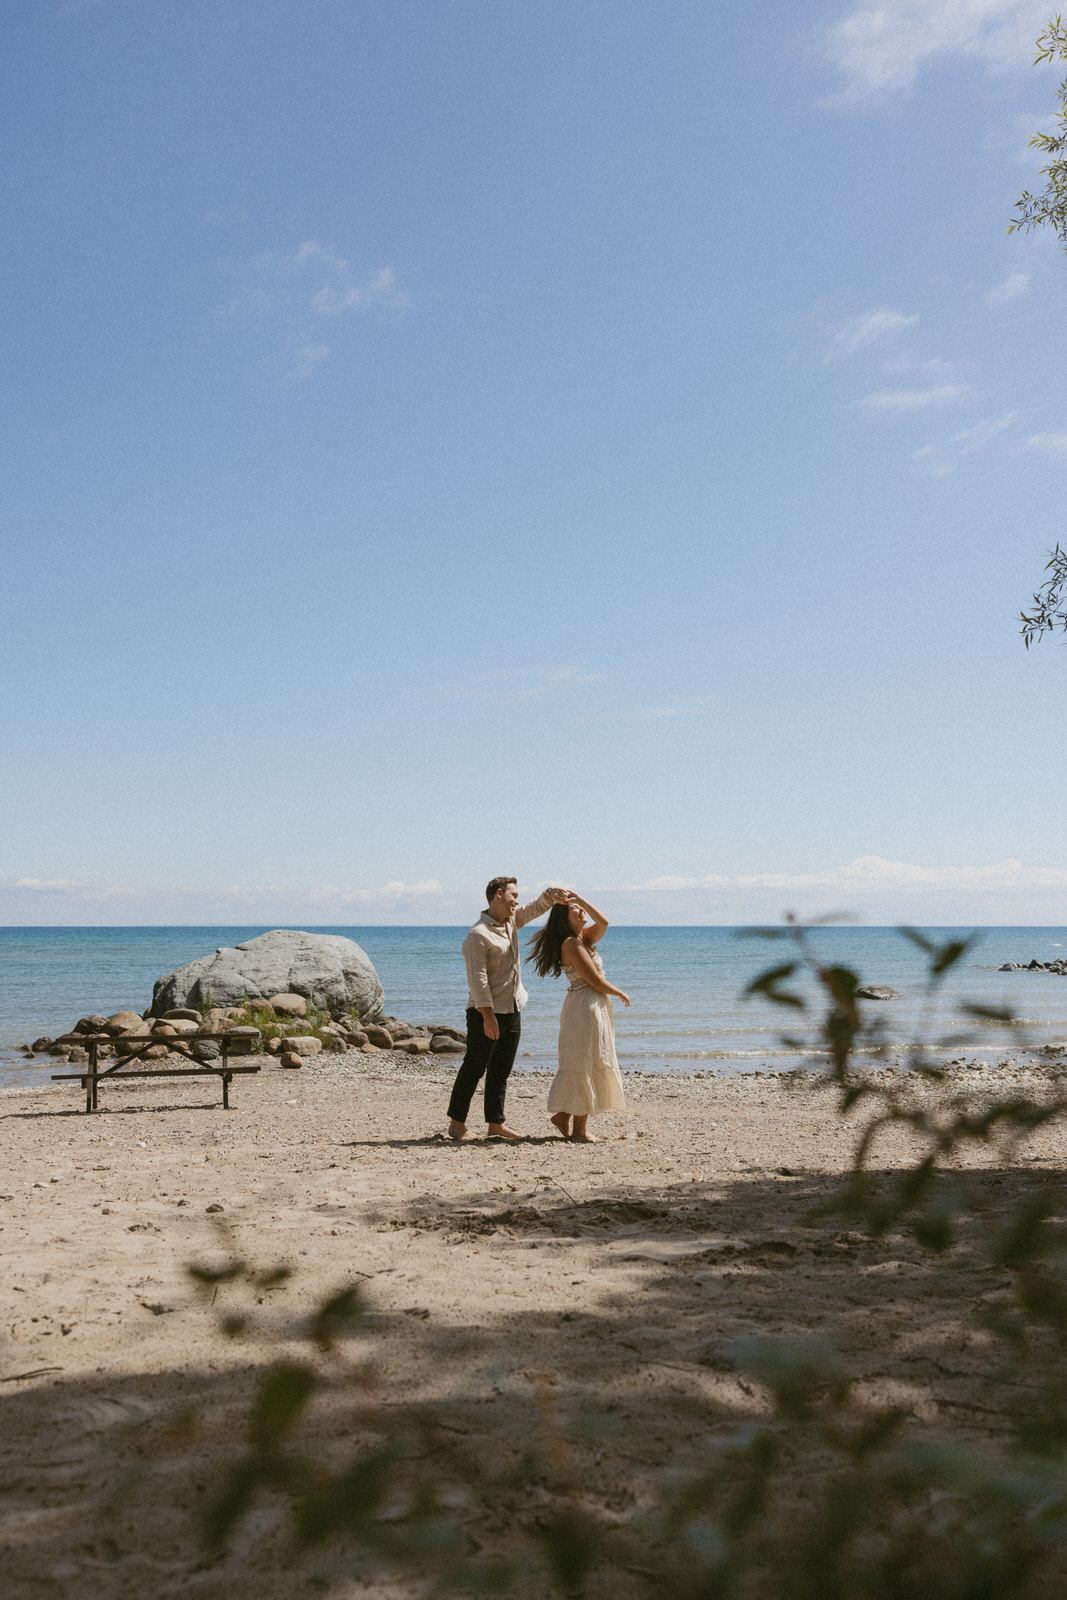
897, 402
872, 873
292, 295
857, 333
339, 290
47, 884
880, 46
1015, 284
1050, 444
942, 459
61, 901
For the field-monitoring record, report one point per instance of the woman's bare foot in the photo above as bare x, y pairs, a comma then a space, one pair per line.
500, 1130
457, 1130
580, 1135
562, 1121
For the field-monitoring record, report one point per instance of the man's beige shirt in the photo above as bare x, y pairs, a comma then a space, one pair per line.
491, 952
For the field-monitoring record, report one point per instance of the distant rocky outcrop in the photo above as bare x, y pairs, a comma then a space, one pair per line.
877, 991
332, 973
1058, 967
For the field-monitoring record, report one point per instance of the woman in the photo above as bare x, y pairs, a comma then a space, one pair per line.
588, 1079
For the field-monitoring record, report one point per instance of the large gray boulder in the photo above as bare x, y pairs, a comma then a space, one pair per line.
329, 971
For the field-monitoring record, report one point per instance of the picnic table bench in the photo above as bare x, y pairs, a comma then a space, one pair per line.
91, 1075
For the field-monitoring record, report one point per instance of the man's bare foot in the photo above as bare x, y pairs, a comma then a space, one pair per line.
562, 1121
500, 1130
457, 1130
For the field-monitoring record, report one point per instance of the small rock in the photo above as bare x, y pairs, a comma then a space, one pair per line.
274, 1045
43, 1043
877, 991
443, 1044
94, 1023
303, 1045
207, 1050
214, 1206
182, 1014
288, 1005
289, 1058
123, 1022
356, 1039
434, 1028
379, 1036
244, 1041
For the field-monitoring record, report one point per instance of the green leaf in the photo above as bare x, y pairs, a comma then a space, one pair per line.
767, 986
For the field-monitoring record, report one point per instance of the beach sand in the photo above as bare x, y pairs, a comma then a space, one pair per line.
528, 1293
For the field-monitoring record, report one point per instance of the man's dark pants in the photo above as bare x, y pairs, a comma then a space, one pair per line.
493, 1057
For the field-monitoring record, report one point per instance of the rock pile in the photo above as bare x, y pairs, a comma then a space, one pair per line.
293, 1040
282, 985
1058, 967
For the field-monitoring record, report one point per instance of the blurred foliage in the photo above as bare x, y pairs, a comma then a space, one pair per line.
882, 1510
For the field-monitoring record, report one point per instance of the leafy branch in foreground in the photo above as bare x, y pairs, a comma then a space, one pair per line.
830, 1493
1050, 601
1049, 209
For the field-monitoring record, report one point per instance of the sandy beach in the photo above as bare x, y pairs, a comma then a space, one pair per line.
520, 1291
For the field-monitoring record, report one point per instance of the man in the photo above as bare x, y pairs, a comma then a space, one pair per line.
496, 997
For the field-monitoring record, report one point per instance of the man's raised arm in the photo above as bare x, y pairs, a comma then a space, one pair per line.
538, 907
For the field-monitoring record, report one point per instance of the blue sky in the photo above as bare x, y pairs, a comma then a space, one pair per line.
607, 442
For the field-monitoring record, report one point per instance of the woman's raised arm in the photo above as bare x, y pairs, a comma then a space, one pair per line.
599, 925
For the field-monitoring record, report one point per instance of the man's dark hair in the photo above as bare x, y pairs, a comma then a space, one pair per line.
493, 885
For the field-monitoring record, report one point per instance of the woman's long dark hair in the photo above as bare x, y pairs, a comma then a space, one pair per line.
546, 947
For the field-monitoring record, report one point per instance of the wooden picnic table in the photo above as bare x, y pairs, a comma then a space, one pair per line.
177, 1043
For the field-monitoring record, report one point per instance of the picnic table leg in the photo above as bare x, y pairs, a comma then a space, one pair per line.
226, 1090
90, 1081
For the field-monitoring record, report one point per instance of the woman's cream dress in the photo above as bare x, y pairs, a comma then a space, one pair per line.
588, 1079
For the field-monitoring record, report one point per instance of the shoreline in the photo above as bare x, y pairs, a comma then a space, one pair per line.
989, 1058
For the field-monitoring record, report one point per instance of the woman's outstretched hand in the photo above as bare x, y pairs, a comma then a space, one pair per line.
625, 998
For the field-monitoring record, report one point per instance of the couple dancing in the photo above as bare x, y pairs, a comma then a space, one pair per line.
588, 1079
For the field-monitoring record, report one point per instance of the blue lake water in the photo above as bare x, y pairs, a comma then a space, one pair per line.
686, 985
